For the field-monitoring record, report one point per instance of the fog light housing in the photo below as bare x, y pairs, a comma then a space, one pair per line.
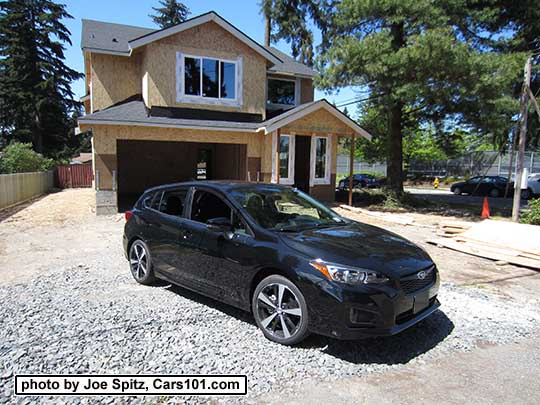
360, 316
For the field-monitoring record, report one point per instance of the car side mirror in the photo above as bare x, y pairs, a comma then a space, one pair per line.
221, 224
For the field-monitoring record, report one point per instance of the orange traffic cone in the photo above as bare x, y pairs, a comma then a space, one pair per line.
485, 209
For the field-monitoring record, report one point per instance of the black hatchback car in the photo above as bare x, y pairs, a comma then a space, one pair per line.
295, 264
493, 186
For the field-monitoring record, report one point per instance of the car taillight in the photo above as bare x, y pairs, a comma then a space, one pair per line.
128, 215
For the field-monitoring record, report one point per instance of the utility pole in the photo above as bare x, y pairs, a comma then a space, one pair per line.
523, 110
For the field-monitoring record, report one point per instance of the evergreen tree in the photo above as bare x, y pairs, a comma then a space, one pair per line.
35, 83
416, 57
171, 12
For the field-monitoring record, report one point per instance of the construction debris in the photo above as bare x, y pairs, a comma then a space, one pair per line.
498, 240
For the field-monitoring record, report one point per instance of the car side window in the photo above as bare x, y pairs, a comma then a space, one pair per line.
172, 202
147, 201
208, 205
474, 180
156, 201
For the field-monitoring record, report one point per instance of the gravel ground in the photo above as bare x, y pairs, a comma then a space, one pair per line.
93, 318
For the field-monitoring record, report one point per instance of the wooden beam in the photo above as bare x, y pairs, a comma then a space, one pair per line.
351, 170
278, 146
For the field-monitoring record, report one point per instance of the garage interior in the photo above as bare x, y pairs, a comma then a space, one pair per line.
145, 164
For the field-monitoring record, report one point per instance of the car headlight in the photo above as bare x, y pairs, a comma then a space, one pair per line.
348, 275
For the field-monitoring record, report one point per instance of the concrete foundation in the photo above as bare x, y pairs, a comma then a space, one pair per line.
106, 202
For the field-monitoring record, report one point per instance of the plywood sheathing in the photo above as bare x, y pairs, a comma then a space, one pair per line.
210, 40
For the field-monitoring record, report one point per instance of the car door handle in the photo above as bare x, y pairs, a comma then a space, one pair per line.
184, 234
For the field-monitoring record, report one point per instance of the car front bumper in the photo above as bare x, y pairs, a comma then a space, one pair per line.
349, 314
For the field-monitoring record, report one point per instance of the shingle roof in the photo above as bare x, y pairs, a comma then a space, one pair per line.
99, 36
289, 65
104, 36
135, 113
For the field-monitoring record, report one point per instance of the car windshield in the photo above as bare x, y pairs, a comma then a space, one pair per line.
284, 209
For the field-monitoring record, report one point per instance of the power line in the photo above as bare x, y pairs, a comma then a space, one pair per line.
361, 99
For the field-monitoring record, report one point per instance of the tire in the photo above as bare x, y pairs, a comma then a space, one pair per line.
140, 263
526, 194
457, 191
284, 320
494, 192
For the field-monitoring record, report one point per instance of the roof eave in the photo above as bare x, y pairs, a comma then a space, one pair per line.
106, 51
204, 18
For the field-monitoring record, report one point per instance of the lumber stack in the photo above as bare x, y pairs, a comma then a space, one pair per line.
498, 240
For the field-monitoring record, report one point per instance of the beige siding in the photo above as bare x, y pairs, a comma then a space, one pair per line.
105, 137
320, 121
205, 40
114, 79
306, 91
20, 187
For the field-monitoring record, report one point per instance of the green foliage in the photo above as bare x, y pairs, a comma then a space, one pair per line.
171, 12
438, 65
532, 216
35, 83
20, 158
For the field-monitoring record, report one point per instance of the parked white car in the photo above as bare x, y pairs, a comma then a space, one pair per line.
534, 183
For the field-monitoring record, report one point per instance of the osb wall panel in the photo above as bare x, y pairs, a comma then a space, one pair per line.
114, 78
105, 137
324, 192
306, 91
320, 121
105, 164
204, 40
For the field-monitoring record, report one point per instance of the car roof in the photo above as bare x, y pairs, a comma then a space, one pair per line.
223, 185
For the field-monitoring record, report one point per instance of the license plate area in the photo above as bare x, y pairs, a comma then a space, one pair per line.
420, 302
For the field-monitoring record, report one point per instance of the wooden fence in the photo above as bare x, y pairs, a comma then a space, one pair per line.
73, 176
19, 187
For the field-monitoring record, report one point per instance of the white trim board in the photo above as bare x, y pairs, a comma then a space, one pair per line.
204, 18
305, 109
159, 125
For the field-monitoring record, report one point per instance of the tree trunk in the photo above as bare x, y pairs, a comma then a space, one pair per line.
267, 30
395, 135
395, 148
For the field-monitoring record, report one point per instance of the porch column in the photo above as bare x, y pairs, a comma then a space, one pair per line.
278, 145
351, 170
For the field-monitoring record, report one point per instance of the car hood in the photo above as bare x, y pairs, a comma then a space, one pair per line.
360, 245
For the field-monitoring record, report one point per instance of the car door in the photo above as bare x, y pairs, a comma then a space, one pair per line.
166, 228
225, 256
470, 185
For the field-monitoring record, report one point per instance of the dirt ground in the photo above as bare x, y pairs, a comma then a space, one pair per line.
38, 236
61, 230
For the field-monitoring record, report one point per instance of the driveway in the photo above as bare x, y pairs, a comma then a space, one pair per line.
69, 305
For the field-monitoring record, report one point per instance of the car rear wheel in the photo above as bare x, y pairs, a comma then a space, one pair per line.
457, 191
494, 192
140, 263
280, 310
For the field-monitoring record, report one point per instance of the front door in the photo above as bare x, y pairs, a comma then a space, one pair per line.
302, 155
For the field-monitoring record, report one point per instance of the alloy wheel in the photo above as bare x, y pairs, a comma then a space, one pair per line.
278, 310
138, 261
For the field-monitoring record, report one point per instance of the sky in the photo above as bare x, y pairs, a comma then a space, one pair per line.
244, 14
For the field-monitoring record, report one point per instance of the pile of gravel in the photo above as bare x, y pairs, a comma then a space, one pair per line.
96, 319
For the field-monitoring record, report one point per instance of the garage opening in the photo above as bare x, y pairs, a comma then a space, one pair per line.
145, 164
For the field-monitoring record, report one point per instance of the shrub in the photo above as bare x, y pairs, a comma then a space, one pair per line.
532, 216
21, 158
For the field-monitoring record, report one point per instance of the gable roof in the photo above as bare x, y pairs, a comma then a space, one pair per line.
104, 37
135, 113
305, 109
289, 65
123, 39
202, 19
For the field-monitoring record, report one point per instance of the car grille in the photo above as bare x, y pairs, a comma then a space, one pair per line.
412, 282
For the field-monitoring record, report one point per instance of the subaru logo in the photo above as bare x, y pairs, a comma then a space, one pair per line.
421, 275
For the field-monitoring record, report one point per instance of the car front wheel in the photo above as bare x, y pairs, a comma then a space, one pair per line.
140, 263
457, 191
280, 310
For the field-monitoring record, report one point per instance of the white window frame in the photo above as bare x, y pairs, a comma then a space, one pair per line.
297, 85
328, 160
181, 97
289, 180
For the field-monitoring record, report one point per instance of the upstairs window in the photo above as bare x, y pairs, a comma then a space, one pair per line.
207, 78
282, 92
